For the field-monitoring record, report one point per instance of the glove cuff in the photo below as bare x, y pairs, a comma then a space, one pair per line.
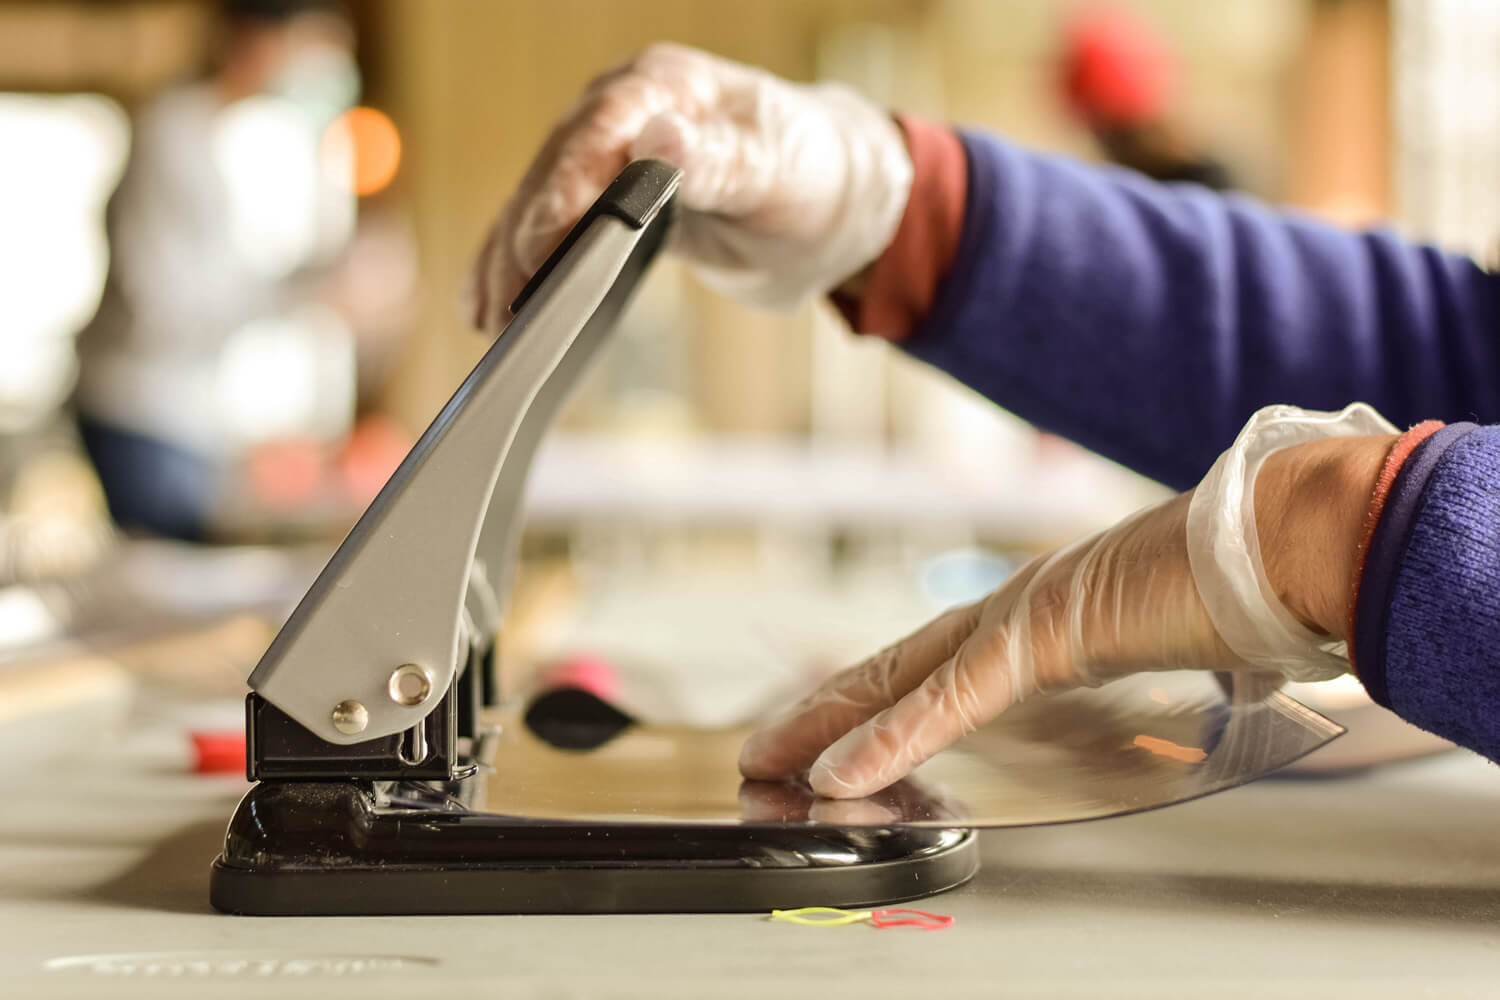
1224, 547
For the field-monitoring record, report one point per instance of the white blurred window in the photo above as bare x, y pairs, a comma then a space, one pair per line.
284, 212
286, 376
63, 156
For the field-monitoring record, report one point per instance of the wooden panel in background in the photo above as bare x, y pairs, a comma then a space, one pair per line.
125, 50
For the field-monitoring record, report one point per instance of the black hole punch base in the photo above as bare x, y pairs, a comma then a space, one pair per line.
308, 848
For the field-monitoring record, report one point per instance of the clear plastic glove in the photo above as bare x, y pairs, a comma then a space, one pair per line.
1126, 600
1119, 602
787, 189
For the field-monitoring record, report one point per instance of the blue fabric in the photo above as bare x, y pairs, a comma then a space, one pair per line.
1383, 559
150, 485
1148, 321
1442, 641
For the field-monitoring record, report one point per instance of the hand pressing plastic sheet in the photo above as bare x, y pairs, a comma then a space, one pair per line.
1180, 586
1138, 743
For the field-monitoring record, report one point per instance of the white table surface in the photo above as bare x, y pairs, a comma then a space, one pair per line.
1383, 885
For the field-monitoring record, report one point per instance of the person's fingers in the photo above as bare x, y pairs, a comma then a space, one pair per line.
490, 277
788, 745
726, 169
481, 298
720, 105
471, 296
695, 76
785, 748
467, 303
582, 154
952, 701
859, 812
1021, 638
594, 148
545, 220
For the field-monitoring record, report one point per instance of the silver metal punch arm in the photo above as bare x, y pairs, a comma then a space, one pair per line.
379, 638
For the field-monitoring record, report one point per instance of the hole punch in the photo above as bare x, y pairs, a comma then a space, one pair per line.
384, 804
375, 797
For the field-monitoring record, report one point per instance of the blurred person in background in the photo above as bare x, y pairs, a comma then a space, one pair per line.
1146, 321
215, 367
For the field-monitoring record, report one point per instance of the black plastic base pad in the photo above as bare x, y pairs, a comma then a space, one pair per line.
349, 848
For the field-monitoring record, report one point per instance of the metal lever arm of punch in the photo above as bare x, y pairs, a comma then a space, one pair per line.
383, 664
371, 693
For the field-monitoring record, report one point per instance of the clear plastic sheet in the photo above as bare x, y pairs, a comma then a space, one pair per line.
1139, 743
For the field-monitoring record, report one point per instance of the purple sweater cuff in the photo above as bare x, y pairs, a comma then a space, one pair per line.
1437, 664
1383, 561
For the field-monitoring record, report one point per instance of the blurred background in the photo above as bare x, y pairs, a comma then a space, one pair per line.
232, 239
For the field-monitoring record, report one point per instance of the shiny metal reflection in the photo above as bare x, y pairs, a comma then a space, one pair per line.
1138, 743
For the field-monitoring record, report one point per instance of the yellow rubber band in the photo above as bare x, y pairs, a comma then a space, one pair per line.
821, 916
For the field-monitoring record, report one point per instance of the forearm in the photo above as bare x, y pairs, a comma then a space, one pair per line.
1394, 544
1149, 321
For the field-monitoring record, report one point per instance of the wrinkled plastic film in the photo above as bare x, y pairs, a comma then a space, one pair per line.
1139, 743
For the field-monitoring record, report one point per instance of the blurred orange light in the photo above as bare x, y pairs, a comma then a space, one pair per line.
376, 145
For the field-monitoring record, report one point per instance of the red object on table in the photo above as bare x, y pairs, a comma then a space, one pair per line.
586, 672
920, 919
219, 752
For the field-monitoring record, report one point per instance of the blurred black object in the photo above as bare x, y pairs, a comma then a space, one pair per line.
1153, 149
571, 718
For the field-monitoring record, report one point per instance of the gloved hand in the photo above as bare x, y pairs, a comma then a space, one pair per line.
787, 189
1162, 590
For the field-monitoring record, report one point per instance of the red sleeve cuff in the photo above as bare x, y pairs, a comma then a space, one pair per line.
1397, 457
903, 282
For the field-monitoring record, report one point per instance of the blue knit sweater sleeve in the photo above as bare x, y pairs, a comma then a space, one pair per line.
1427, 634
1148, 321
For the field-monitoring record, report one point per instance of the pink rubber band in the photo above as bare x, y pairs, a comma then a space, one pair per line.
920, 919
